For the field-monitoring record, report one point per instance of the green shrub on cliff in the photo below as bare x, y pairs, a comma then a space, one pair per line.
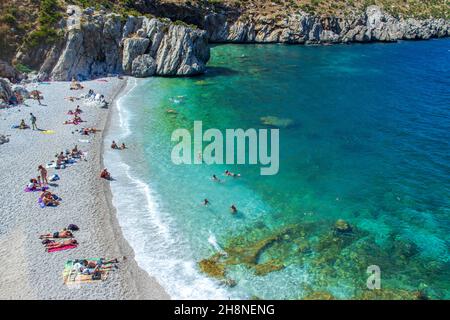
46, 33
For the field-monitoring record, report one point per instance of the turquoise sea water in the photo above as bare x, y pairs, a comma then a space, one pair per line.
369, 143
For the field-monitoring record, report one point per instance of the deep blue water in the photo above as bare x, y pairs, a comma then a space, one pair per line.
369, 143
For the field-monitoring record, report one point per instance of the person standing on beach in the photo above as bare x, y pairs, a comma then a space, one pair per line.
43, 173
33, 121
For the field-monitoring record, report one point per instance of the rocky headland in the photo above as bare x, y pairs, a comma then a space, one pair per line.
171, 38
97, 43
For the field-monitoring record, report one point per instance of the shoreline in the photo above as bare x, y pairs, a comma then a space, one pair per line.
143, 282
30, 271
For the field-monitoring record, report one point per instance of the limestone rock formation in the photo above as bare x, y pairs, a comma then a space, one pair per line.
9, 72
5, 90
299, 27
143, 66
97, 44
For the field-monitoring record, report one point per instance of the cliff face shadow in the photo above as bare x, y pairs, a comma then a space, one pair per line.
212, 72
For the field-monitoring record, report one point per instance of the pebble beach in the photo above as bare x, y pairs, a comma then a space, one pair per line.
29, 272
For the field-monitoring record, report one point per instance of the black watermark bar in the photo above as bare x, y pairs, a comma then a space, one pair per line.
215, 309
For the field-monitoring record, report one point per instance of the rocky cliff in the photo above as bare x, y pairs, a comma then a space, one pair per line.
372, 25
97, 44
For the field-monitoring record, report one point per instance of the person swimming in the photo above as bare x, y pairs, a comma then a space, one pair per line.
205, 202
214, 178
233, 209
105, 174
114, 145
231, 174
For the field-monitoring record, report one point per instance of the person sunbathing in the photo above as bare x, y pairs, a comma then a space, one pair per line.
33, 185
49, 199
78, 110
64, 233
104, 264
75, 85
55, 245
75, 152
105, 174
62, 158
76, 119
22, 124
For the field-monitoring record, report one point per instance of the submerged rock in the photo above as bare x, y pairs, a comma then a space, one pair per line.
319, 295
342, 226
276, 122
262, 269
213, 267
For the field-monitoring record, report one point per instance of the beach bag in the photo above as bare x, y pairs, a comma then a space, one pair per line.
73, 227
97, 275
54, 177
46, 241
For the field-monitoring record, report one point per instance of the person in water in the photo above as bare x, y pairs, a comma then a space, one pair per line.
205, 202
231, 174
114, 145
123, 146
105, 174
233, 209
214, 178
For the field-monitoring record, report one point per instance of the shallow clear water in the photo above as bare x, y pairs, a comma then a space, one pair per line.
369, 143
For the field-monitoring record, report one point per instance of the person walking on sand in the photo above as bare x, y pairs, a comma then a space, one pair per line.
43, 173
33, 122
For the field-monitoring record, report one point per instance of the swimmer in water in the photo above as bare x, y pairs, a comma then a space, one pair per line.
233, 209
214, 177
231, 174
205, 202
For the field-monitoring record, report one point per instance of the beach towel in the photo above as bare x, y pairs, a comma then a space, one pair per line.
27, 189
66, 247
48, 132
73, 122
54, 165
72, 276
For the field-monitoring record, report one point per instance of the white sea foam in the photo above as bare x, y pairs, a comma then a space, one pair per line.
158, 248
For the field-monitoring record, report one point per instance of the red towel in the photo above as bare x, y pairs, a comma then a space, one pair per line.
66, 247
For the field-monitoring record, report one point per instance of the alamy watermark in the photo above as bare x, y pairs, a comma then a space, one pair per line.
241, 146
